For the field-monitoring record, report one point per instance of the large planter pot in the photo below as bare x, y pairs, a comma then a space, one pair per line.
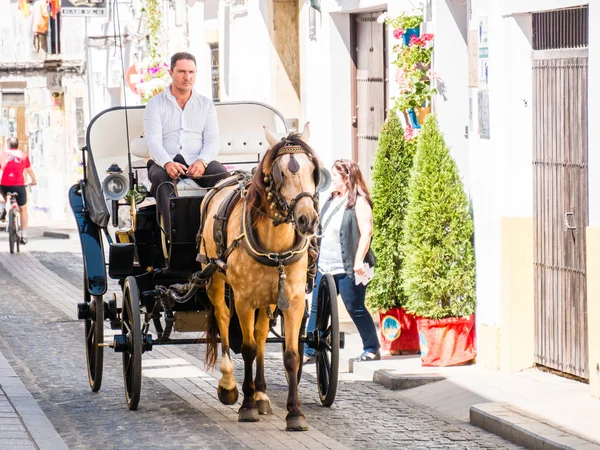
408, 33
422, 113
447, 342
398, 331
412, 117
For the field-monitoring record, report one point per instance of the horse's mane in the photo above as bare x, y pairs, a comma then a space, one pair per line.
257, 189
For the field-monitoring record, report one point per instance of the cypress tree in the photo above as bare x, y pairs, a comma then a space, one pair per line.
391, 172
439, 261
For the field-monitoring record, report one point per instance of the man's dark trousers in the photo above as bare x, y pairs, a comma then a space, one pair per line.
162, 187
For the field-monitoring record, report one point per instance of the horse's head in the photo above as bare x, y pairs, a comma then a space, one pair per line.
289, 174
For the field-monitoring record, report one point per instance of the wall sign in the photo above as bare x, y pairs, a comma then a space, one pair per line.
83, 8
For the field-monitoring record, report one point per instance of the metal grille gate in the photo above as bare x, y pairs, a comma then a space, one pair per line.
561, 209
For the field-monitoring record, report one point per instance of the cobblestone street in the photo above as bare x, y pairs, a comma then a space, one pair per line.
42, 340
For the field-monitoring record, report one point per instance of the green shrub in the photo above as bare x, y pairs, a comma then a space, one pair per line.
391, 172
438, 275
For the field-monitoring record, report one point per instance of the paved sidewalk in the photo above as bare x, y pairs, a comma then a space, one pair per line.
23, 425
547, 400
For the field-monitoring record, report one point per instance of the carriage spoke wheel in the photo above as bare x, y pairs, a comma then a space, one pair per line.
300, 348
328, 349
94, 336
132, 356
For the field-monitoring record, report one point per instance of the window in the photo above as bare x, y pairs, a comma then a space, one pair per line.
565, 28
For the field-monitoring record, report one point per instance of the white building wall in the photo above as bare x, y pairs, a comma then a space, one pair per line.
450, 62
246, 52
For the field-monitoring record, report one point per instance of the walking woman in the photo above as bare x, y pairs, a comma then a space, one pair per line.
347, 227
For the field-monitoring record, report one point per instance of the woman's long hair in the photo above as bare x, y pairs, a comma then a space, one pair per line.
354, 181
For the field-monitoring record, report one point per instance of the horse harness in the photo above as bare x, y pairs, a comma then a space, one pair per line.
283, 214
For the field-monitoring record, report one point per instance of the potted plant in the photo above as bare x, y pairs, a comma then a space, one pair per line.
405, 26
438, 275
391, 171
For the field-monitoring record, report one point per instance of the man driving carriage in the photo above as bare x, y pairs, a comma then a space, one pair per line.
182, 134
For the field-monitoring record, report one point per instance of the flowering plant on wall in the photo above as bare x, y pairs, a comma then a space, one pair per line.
154, 71
154, 78
413, 60
404, 22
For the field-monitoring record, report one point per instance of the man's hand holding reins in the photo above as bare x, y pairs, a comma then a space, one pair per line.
196, 169
174, 169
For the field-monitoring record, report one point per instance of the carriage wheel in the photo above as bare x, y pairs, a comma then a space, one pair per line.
94, 336
132, 356
328, 349
300, 347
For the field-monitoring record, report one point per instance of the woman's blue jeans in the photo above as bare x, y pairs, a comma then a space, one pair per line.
353, 297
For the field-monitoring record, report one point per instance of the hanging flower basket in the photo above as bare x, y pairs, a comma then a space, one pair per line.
412, 117
398, 331
409, 33
447, 342
421, 113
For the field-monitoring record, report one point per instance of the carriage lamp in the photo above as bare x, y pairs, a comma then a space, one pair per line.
324, 180
115, 185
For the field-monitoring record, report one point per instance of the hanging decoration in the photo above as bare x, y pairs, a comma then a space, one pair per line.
154, 71
414, 75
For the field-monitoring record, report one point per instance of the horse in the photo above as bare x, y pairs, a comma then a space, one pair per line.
264, 259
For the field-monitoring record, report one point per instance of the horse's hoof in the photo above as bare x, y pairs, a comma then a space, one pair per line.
248, 415
264, 406
296, 423
226, 396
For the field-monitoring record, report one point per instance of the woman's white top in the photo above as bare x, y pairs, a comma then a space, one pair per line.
330, 257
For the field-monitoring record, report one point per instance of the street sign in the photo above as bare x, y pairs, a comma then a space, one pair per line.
83, 8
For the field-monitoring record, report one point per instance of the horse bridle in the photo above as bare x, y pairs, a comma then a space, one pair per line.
284, 211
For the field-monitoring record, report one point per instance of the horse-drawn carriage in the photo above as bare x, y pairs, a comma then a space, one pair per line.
235, 260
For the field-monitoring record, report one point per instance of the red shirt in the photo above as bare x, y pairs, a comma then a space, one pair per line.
13, 163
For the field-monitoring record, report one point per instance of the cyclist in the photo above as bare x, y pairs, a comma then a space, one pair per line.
14, 163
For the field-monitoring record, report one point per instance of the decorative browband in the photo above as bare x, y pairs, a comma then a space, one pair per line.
290, 149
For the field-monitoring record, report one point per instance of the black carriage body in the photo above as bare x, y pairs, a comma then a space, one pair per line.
181, 245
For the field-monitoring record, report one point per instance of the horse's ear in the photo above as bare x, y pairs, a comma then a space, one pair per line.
271, 138
306, 133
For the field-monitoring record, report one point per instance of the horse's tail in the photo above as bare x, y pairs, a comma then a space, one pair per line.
212, 340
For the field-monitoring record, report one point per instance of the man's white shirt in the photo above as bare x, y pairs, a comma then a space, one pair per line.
192, 132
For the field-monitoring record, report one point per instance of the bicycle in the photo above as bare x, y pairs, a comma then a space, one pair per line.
14, 222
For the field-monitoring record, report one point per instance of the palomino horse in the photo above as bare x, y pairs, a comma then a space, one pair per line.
267, 237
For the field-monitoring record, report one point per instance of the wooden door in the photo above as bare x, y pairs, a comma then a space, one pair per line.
13, 107
561, 209
368, 41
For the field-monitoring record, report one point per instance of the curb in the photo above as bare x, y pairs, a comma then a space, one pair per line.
507, 422
405, 381
389, 378
40, 428
56, 235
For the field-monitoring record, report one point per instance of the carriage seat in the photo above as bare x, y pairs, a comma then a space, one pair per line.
243, 150
185, 187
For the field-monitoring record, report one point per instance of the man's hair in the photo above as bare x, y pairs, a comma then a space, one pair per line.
13, 143
181, 55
